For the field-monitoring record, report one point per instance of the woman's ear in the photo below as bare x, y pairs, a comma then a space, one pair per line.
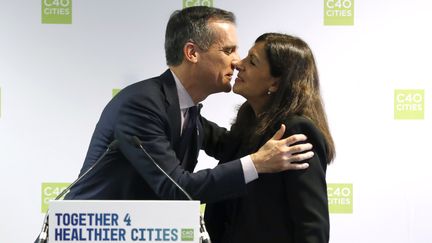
274, 85
190, 52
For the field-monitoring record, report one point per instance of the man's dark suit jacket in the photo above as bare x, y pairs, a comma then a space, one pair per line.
287, 207
150, 110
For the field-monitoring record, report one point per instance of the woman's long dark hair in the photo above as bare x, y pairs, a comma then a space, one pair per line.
292, 61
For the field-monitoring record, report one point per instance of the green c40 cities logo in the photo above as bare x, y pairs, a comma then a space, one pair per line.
187, 234
340, 198
409, 104
56, 11
191, 3
50, 191
338, 12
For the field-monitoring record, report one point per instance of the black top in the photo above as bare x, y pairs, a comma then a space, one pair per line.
285, 207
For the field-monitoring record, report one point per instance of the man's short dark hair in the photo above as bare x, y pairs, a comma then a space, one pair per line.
191, 24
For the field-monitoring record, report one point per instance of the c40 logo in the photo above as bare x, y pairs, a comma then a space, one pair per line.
56, 11
409, 104
50, 190
187, 234
191, 3
338, 12
340, 198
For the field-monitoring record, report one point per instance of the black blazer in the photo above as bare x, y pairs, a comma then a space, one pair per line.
150, 110
287, 207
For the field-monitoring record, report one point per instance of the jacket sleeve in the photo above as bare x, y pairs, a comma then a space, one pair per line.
307, 189
218, 142
145, 116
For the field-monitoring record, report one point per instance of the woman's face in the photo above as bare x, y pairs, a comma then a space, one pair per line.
254, 80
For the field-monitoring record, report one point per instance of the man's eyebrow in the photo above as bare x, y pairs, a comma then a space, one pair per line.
230, 47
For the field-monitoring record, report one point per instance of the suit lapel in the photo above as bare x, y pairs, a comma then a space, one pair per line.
172, 104
173, 112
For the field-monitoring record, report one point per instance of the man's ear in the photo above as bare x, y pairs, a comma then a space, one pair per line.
190, 52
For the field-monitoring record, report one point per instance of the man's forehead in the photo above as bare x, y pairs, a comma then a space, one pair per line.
225, 33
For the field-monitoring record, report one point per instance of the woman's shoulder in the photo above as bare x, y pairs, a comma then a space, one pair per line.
299, 122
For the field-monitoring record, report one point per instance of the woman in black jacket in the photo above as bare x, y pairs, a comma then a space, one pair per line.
280, 82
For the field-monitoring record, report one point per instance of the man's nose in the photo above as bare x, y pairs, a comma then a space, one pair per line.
236, 60
236, 56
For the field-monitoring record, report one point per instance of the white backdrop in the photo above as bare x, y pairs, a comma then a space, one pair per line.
55, 80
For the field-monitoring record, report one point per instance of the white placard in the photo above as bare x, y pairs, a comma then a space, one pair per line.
124, 221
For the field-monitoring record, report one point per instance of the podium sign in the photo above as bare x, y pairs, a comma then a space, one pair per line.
124, 221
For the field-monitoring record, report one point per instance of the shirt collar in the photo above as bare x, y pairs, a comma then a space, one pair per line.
185, 100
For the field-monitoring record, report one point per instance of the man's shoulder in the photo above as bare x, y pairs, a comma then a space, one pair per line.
149, 88
149, 84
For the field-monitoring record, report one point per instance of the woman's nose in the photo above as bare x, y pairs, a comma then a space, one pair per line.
238, 65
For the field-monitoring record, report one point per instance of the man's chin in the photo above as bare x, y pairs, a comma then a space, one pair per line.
227, 88
221, 89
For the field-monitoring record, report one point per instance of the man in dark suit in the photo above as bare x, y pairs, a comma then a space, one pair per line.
201, 49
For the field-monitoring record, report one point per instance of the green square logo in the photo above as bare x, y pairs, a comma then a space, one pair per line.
50, 190
338, 12
115, 92
340, 198
191, 3
56, 11
409, 104
187, 234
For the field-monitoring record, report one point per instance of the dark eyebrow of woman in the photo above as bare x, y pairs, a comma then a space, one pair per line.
254, 57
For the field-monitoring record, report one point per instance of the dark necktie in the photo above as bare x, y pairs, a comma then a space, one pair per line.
187, 149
